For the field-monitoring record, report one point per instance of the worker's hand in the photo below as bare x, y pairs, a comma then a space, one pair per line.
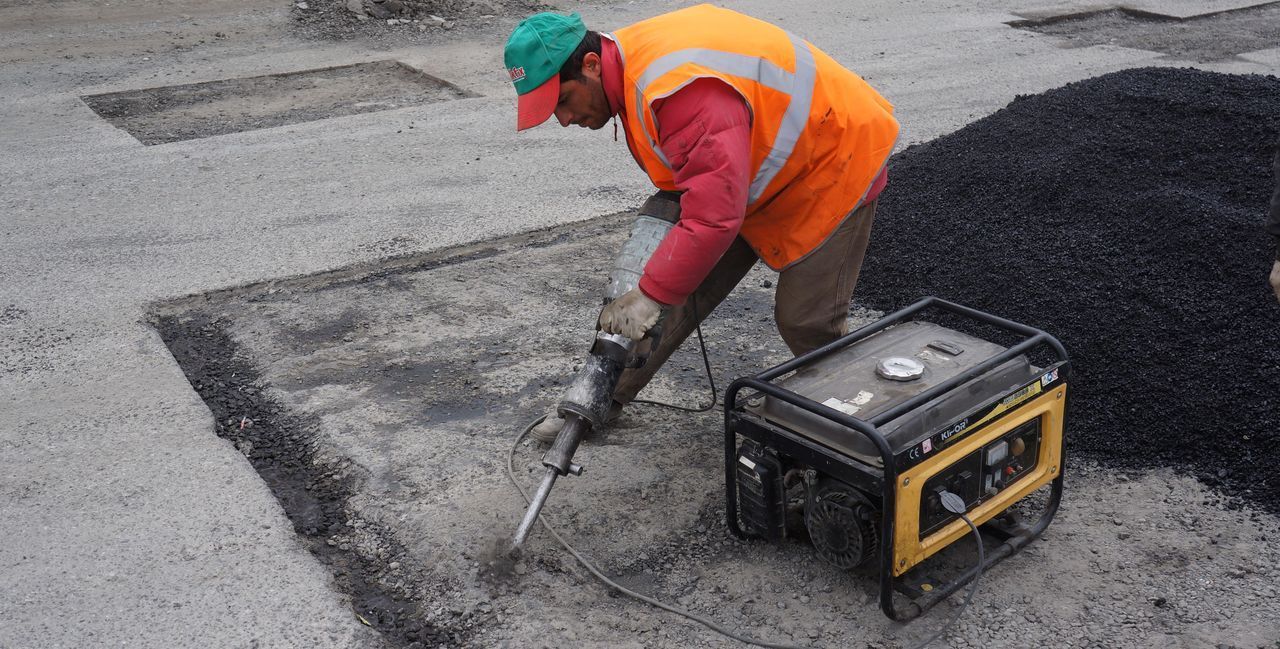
630, 315
1275, 278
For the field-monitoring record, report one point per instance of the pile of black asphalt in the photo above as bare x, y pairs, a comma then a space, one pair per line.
1123, 214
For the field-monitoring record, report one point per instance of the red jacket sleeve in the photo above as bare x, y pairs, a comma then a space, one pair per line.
704, 130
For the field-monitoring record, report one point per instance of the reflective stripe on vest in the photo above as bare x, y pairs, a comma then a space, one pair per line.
798, 86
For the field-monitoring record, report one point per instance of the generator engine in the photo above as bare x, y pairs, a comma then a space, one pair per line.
853, 446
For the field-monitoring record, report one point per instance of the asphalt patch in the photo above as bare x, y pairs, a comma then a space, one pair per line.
1123, 214
1207, 37
198, 110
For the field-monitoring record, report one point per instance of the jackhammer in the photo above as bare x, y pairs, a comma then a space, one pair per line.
586, 403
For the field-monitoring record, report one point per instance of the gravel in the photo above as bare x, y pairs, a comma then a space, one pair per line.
1123, 214
392, 21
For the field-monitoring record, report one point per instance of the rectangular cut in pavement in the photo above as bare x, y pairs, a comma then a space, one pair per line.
191, 111
411, 382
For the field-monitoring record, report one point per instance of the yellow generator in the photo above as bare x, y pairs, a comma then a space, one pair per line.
892, 442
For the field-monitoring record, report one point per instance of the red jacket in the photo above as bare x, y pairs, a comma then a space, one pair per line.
704, 130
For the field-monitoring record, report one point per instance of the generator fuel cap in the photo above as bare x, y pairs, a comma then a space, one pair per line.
900, 368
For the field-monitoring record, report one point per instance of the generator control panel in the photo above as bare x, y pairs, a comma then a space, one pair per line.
981, 474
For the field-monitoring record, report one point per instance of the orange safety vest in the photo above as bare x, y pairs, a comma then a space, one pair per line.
820, 135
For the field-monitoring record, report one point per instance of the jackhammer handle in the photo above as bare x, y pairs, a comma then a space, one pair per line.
654, 336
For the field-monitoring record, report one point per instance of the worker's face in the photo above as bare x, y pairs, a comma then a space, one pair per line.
582, 101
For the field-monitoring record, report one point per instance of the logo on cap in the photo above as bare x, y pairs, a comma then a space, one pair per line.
516, 74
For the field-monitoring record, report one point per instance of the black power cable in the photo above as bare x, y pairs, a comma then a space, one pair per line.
511, 475
955, 505
706, 363
949, 503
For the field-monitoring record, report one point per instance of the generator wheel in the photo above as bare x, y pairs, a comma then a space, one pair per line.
841, 524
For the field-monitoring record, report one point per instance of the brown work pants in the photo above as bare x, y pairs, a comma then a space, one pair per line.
811, 303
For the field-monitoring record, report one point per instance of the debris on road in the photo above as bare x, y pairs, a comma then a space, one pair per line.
341, 19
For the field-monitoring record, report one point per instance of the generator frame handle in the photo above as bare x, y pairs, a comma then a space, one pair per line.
868, 428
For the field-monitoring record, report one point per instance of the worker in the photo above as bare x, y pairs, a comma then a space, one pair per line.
1273, 225
762, 147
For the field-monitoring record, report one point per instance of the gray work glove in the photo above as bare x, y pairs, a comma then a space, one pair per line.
630, 315
1275, 278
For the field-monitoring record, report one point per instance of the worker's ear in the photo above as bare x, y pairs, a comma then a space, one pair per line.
591, 66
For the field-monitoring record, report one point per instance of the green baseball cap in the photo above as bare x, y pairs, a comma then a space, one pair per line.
537, 49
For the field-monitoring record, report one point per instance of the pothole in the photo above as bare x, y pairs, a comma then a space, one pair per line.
1203, 38
198, 110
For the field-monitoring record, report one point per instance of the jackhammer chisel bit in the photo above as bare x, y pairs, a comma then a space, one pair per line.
585, 405
565, 444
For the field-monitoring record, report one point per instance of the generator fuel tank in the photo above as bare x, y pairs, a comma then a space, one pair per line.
886, 369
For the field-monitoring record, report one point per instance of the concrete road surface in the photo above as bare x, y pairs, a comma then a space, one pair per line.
126, 521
